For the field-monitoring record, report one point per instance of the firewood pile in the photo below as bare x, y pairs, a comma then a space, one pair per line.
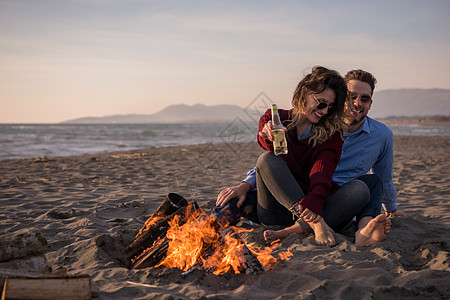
180, 234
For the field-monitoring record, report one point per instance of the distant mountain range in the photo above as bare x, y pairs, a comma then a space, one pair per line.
410, 102
387, 103
179, 114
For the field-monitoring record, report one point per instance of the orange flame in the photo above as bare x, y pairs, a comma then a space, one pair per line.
199, 240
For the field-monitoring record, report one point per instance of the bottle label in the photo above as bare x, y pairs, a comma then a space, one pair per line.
279, 142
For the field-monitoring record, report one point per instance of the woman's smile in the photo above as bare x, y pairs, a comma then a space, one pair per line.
312, 111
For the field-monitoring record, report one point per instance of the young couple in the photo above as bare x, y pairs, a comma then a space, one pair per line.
321, 184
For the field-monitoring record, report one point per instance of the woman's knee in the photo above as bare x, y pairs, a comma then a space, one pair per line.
268, 160
264, 158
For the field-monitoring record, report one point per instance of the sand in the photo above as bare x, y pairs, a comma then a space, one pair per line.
85, 206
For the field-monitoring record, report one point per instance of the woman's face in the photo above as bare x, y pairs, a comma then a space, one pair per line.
312, 112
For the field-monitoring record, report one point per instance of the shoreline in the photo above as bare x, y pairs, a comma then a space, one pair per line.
18, 142
143, 149
85, 205
440, 120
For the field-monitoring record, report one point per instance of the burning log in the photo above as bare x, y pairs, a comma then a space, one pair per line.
249, 263
153, 256
157, 252
217, 261
150, 247
156, 226
188, 239
170, 205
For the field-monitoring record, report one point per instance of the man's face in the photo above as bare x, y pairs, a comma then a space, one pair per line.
360, 100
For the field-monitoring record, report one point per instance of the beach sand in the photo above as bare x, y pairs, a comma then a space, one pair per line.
89, 206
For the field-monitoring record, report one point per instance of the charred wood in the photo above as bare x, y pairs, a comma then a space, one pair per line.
153, 235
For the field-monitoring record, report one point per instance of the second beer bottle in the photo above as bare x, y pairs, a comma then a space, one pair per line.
278, 133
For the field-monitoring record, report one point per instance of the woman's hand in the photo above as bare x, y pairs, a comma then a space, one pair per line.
266, 131
309, 216
239, 191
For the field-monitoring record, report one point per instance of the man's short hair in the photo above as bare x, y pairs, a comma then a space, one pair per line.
361, 76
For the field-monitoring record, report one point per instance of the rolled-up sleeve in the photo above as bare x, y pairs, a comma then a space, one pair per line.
251, 178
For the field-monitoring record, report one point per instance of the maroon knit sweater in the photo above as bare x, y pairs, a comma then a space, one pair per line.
312, 167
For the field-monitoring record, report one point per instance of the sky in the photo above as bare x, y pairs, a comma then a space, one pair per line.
66, 59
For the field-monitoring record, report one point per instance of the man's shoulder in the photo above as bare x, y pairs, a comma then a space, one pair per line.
378, 127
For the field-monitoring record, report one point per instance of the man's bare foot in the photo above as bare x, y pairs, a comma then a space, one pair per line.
273, 235
375, 231
324, 234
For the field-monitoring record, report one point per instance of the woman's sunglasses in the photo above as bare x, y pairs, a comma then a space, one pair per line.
321, 105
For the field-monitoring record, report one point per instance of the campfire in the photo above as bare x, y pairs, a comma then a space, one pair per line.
181, 235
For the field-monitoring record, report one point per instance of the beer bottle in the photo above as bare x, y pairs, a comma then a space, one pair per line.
278, 133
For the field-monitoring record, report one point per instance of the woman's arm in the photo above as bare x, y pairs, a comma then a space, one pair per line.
327, 158
263, 140
265, 137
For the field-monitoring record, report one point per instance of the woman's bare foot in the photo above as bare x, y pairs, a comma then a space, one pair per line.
324, 234
375, 231
273, 235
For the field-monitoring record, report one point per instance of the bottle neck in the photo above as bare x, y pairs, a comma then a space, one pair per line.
276, 122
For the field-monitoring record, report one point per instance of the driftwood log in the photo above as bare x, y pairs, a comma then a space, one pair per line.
22, 243
66, 287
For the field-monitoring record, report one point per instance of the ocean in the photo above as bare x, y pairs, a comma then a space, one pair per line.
37, 140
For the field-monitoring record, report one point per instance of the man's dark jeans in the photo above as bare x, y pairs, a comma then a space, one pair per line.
278, 192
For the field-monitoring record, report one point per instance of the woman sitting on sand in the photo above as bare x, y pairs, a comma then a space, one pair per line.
298, 183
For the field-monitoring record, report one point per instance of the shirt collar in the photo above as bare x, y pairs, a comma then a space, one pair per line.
364, 127
305, 134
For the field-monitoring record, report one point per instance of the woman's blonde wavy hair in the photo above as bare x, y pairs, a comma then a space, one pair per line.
316, 82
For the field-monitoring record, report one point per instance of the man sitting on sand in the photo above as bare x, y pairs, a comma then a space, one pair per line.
368, 146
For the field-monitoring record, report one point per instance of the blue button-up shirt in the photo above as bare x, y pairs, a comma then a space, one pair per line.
368, 149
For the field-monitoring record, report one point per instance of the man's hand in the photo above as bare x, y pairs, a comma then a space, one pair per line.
395, 213
239, 191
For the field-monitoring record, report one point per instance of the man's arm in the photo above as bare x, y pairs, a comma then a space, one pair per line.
383, 168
